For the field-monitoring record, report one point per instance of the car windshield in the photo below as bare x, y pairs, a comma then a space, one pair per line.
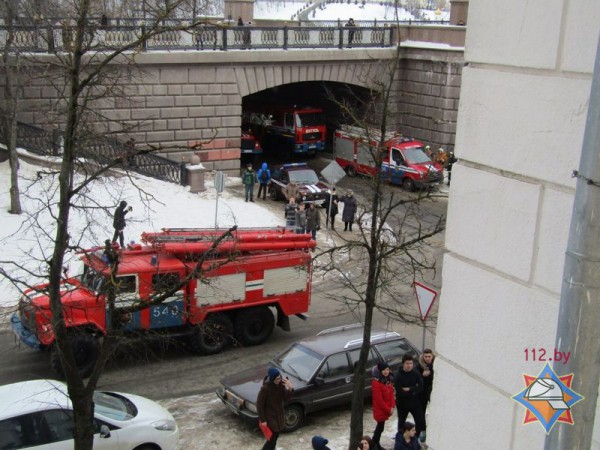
304, 176
416, 155
299, 361
114, 406
309, 119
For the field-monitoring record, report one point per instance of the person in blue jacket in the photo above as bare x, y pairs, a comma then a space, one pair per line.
264, 177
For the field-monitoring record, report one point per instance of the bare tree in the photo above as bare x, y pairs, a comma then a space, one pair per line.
9, 106
391, 248
82, 74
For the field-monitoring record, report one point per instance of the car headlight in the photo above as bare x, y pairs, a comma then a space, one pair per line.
251, 407
165, 425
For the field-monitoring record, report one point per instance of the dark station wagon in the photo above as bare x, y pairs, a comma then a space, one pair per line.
321, 369
311, 188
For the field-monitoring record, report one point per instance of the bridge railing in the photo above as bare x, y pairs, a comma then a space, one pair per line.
104, 150
202, 37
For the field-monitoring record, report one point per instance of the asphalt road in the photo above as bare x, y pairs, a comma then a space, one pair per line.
169, 370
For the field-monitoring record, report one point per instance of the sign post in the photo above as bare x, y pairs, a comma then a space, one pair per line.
425, 298
220, 187
332, 173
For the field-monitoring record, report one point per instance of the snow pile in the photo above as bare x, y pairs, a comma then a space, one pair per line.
28, 238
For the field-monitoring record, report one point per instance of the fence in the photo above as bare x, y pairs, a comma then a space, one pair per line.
54, 38
103, 150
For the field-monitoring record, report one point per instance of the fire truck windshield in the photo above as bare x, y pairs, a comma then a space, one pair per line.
415, 155
92, 279
309, 119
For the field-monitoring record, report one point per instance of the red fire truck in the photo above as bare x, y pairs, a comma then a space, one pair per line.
243, 281
286, 131
403, 162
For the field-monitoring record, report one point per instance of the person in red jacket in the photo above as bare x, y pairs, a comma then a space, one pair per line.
384, 400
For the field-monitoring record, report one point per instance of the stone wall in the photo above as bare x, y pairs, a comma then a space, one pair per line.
186, 103
428, 94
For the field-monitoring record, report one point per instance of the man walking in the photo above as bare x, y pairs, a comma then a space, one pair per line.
274, 392
249, 179
409, 385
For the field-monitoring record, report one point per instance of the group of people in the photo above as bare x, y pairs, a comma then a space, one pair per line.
443, 158
408, 391
250, 178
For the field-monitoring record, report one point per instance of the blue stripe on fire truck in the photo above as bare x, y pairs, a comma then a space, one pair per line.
255, 285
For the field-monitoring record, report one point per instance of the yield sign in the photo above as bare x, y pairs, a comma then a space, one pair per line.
425, 298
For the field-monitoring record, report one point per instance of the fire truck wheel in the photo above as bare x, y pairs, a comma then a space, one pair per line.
86, 349
351, 171
253, 326
408, 185
213, 335
294, 415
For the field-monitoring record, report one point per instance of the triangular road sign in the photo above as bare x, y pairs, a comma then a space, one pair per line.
425, 298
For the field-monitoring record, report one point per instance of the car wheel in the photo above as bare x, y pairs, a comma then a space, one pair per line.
213, 335
273, 194
351, 171
408, 184
86, 350
253, 326
294, 415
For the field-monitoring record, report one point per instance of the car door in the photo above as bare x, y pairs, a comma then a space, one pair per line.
371, 362
334, 382
60, 429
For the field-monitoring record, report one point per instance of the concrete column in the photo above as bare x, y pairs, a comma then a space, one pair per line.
239, 8
196, 172
459, 11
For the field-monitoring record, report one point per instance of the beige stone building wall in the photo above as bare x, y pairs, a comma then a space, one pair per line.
523, 105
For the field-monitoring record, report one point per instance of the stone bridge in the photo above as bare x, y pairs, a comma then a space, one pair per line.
190, 102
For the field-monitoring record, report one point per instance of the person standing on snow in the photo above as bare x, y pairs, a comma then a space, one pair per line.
409, 385
349, 209
300, 220
119, 222
332, 207
275, 391
264, 177
313, 220
382, 390
290, 214
249, 179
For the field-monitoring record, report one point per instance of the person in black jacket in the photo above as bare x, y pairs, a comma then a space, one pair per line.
119, 222
331, 205
274, 392
409, 385
349, 209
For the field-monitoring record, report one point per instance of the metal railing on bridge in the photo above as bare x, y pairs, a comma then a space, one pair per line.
102, 150
57, 38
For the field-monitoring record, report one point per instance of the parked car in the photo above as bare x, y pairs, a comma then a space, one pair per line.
38, 414
321, 369
310, 187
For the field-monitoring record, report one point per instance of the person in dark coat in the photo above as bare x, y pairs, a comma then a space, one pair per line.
349, 209
119, 222
313, 220
451, 160
331, 206
409, 385
249, 179
425, 368
273, 394
264, 178
290, 213
319, 443
300, 220
406, 437
382, 391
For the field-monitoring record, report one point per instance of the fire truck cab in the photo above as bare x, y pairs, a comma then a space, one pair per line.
243, 286
403, 161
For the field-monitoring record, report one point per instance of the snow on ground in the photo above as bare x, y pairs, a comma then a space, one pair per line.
341, 11
28, 237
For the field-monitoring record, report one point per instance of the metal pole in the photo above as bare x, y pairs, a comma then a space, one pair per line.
578, 331
424, 329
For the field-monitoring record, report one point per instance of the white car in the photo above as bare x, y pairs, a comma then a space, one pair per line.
38, 414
